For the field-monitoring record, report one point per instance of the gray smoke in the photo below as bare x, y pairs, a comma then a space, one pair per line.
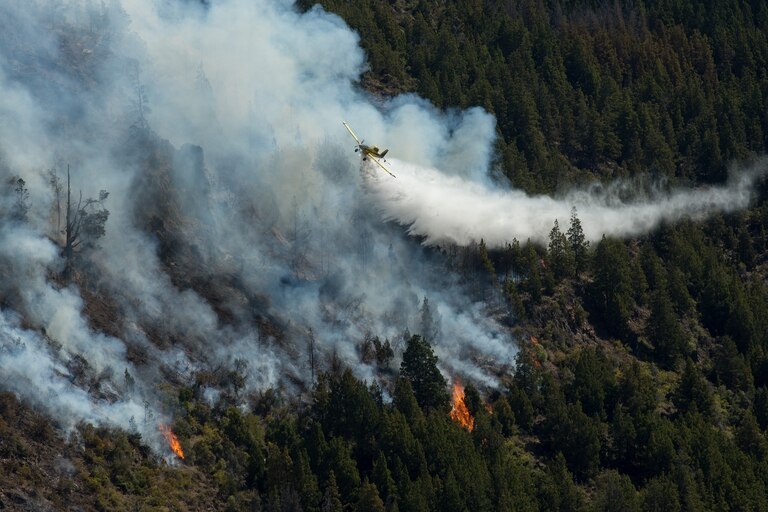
241, 230
238, 229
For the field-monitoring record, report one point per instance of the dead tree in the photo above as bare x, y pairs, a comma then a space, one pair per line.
57, 188
21, 199
311, 349
85, 223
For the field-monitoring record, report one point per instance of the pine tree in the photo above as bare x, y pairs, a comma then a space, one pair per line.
369, 499
419, 366
663, 330
533, 282
331, 497
612, 287
615, 492
692, 390
382, 477
560, 253
344, 468
21, 200
578, 243
660, 495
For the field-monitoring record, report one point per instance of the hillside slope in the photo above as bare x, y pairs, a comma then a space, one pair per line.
235, 284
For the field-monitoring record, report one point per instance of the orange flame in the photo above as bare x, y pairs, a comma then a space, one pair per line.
173, 441
459, 412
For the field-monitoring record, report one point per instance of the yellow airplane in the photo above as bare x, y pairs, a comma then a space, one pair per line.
367, 151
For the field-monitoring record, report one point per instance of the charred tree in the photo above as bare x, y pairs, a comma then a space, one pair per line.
312, 363
85, 223
57, 189
21, 199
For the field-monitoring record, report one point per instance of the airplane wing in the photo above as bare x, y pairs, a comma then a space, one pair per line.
351, 132
381, 165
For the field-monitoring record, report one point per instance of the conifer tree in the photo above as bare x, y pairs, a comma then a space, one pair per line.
331, 497
369, 499
419, 366
612, 287
578, 243
560, 253
382, 477
663, 330
21, 199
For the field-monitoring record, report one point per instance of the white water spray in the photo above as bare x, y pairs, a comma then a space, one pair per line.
449, 209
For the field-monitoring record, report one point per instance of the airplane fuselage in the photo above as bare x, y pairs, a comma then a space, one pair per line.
371, 151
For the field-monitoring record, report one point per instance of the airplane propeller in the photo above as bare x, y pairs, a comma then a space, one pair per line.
367, 151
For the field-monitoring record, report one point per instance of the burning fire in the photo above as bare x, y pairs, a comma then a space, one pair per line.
173, 441
459, 412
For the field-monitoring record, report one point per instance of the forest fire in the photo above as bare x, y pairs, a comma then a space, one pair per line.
459, 412
173, 441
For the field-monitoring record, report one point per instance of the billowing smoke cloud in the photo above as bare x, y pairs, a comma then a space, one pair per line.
241, 232
454, 210
51, 357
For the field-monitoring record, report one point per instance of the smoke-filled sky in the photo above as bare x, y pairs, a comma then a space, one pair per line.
222, 125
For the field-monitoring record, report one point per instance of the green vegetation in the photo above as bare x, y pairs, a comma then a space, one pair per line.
644, 385
583, 89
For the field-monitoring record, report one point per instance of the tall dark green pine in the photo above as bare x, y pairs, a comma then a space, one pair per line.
382, 477
331, 498
405, 401
419, 366
760, 407
660, 494
306, 481
664, 331
450, 497
593, 382
693, 390
560, 253
612, 291
369, 499
615, 492
344, 468
533, 282
578, 243
569, 496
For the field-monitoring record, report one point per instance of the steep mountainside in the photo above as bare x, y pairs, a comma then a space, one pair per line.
222, 319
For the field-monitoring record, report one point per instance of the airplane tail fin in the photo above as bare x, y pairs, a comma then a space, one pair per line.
384, 153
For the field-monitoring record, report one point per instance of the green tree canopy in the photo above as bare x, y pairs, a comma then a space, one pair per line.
419, 366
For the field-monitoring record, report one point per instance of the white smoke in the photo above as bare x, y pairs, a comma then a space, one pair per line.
453, 210
52, 358
221, 128
268, 209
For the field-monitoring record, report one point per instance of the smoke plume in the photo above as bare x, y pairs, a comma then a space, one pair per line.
239, 235
453, 210
241, 232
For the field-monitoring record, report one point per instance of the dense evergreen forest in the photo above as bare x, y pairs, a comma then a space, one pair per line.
583, 89
641, 383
